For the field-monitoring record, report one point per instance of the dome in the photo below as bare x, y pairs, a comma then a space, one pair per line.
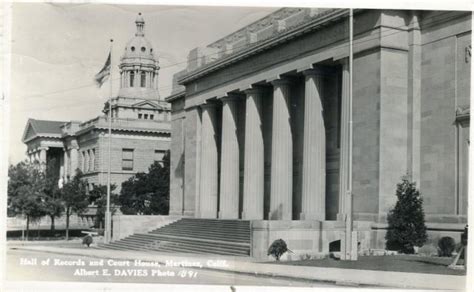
139, 46
139, 67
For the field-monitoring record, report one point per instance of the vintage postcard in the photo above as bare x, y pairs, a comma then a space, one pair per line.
186, 147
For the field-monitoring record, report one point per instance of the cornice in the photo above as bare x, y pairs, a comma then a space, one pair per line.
266, 44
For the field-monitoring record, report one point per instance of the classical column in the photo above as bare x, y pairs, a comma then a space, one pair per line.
282, 154
66, 165
209, 163
314, 149
254, 159
136, 81
229, 186
156, 79
61, 167
42, 157
74, 161
344, 154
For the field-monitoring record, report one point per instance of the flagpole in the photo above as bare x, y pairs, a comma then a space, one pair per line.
108, 217
350, 227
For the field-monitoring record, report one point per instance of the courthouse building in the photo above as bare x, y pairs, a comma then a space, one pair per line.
140, 125
260, 124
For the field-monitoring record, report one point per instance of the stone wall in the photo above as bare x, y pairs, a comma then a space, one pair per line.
303, 237
144, 147
177, 159
444, 87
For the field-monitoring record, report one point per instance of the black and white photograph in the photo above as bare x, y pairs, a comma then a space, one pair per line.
235, 148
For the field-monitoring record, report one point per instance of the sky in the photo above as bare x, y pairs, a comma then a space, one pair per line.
58, 48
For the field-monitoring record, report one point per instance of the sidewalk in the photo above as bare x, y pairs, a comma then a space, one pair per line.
249, 266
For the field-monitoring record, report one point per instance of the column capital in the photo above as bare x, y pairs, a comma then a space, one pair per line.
344, 61
314, 72
281, 81
231, 97
43, 148
319, 71
254, 89
208, 105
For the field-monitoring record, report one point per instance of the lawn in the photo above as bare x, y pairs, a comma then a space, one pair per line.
394, 263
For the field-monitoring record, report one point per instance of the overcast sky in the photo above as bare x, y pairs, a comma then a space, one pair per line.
57, 49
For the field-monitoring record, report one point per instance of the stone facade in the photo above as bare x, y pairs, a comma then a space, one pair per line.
140, 126
260, 131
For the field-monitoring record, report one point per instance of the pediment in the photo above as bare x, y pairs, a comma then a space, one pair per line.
29, 132
146, 105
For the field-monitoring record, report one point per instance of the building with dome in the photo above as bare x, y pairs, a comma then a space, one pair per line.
140, 125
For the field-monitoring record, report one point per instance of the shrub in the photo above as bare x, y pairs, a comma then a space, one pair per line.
446, 246
277, 249
87, 240
406, 222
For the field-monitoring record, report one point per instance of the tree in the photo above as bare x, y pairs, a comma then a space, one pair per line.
74, 197
98, 197
147, 193
406, 222
54, 207
26, 192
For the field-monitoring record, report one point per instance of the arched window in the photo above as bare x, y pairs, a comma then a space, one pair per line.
143, 79
132, 77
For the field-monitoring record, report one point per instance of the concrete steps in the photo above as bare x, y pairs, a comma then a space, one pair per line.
190, 235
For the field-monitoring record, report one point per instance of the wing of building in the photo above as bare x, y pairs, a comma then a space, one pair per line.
140, 125
260, 124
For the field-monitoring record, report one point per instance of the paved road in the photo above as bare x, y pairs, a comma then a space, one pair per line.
21, 265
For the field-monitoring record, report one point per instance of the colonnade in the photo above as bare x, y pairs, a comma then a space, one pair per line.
150, 75
38, 154
221, 199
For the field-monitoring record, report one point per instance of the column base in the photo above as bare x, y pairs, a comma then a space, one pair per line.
341, 217
305, 216
222, 215
175, 213
273, 216
246, 216
189, 214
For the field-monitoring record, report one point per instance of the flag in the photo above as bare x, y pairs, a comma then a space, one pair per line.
103, 74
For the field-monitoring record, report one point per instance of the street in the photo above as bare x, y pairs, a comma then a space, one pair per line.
23, 265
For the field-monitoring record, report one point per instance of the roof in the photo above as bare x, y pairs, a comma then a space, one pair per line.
176, 95
42, 128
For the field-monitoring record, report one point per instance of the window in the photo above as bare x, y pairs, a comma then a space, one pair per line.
127, 159
140, 116
146, 116
159, 154
143, 79
151, 117
133, 49
143, 49
132, 77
